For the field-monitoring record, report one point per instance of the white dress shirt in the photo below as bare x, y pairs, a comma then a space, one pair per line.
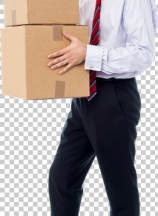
128, 29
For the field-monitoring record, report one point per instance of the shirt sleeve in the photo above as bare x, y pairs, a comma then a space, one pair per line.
138, 54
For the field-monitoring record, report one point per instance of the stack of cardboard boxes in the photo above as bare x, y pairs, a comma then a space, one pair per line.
33, 30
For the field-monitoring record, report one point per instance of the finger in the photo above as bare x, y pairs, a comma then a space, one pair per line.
58, 53
68, 36
65, 69
59, 64
57, 60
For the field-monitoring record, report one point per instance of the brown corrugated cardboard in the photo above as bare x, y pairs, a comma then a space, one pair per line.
25, 73
20, 12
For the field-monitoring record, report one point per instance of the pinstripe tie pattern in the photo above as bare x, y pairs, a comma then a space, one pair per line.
95, 38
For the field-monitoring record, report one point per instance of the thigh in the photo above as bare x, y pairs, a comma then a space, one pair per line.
116, 106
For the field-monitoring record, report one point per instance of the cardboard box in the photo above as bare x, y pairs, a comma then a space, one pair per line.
25, 73
20, 12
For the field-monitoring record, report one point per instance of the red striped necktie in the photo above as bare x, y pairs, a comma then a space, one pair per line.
95, 38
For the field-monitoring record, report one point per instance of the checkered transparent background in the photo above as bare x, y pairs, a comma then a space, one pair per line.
29, 136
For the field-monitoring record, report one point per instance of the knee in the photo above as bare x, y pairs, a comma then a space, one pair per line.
56, 177
53, 173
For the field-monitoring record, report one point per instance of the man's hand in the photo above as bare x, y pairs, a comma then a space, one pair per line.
70, 56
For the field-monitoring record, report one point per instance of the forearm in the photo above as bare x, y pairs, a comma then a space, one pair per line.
119, 60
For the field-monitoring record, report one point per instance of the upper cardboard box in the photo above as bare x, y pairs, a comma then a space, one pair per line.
20, 12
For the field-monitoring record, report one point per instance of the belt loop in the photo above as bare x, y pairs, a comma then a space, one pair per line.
115, 81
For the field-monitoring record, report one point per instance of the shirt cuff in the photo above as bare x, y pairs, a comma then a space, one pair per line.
93, 60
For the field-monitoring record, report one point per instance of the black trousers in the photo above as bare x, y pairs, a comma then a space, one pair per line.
104, 127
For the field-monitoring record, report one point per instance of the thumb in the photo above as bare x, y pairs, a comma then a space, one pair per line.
68, 36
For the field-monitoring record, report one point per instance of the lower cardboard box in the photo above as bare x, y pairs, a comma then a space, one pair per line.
25, 74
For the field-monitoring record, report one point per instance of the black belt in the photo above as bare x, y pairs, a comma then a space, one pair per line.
100, 79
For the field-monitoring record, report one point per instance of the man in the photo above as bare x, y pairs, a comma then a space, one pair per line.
105, 125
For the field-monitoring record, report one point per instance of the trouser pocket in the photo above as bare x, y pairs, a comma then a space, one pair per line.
120, 97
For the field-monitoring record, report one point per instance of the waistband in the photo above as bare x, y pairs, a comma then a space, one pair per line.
100, 79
